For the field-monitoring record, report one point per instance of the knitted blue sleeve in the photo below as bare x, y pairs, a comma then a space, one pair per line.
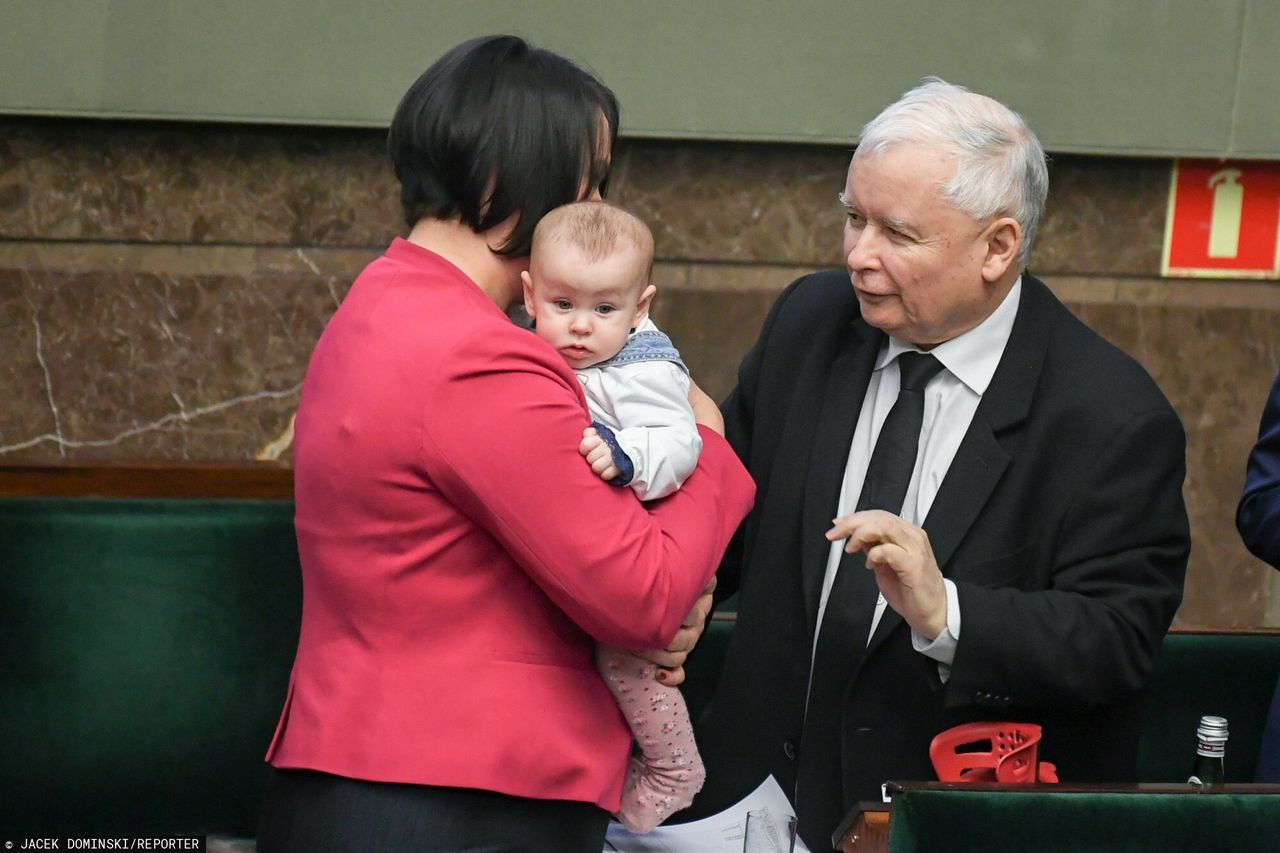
620, 458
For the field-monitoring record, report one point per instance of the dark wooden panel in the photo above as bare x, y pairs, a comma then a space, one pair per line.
137, 480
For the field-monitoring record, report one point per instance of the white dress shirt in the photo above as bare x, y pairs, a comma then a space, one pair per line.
950, 400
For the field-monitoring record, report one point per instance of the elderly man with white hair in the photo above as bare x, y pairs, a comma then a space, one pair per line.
969, 504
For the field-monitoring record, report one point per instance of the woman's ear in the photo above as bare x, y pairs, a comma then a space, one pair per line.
1004, 244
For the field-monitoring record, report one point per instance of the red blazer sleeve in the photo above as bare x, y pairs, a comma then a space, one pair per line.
626, 572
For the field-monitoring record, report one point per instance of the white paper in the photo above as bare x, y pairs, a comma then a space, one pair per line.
720, 833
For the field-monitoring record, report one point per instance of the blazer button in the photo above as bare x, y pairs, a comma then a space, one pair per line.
789, 750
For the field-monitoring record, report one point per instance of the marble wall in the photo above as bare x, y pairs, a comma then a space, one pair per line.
161, 286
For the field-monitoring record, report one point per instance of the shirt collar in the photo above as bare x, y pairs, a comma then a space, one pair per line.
973, 356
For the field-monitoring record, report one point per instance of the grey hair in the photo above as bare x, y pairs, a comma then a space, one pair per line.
1000, 165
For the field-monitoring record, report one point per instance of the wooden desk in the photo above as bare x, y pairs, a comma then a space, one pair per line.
866, 829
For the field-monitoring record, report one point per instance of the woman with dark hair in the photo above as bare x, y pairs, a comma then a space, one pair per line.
444, 694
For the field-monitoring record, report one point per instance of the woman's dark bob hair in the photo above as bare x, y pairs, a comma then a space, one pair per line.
497, 127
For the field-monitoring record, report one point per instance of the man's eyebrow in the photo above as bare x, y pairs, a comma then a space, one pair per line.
898, 224
894, 222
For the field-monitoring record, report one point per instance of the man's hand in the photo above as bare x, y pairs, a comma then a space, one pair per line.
906, 570
671, 660
598, 454
705, 410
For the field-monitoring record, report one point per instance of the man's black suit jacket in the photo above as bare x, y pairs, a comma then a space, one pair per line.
1061, 521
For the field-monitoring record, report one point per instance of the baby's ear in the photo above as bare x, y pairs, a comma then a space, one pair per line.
527, 282
642, 306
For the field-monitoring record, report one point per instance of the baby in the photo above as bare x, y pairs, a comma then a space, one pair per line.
588, 292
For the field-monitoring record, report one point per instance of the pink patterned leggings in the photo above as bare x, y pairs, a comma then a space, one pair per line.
669, 772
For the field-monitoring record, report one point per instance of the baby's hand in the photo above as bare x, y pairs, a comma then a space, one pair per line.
598, 454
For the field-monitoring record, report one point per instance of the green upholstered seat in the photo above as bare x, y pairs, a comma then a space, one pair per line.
931, 821
1231, 675
146, 651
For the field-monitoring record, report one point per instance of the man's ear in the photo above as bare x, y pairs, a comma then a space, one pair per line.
1004, 244
642, 306
527, 283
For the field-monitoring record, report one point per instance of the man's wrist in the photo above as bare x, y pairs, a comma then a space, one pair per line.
937, 621
942, 647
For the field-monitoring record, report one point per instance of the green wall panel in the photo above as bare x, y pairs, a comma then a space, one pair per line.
1256, 125
1142, 77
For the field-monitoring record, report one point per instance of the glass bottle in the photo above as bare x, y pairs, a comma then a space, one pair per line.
1211, 747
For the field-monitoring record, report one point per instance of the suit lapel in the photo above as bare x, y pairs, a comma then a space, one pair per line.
846, 386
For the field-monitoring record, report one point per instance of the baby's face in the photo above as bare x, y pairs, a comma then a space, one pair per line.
585, 309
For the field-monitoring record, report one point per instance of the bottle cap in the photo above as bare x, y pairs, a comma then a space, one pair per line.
1212, 728
1212, 736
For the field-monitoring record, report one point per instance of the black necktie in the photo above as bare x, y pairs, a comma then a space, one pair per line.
884, 487
894, 457
851, 605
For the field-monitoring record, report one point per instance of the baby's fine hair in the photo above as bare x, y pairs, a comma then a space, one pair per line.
597, 229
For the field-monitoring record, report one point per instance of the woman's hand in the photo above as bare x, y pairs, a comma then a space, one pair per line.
705, 410
671, 660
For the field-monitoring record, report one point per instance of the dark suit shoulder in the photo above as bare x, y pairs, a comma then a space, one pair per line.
827, 290
818, 305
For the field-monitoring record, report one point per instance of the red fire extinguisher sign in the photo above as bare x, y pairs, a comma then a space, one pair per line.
1223, 220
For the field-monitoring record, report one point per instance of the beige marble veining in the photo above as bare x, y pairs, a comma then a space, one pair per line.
736, 202
713, 330
1216, 367
1103, 216
183, 259
1230, 293
1253, 295
138, 366
749, 278
24, 377
191, 183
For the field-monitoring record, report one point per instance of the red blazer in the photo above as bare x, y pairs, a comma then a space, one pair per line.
460, 559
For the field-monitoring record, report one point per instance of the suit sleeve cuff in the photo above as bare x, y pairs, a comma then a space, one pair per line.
943, 647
